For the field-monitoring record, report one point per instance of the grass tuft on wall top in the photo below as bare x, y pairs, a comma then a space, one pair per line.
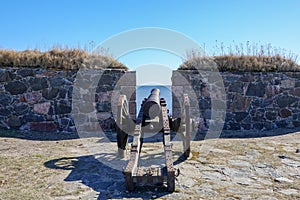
57, 59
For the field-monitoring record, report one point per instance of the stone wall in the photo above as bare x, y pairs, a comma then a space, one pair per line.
41, 100
253, 100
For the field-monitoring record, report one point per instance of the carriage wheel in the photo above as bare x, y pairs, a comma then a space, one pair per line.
186, 126
122, 125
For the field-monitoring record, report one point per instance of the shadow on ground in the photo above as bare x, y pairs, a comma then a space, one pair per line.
108, 182
54, 136
244, 133
41, 136
51, 136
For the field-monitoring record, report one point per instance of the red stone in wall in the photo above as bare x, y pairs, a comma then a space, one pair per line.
41, 126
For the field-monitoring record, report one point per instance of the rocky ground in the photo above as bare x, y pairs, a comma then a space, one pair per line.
43, 166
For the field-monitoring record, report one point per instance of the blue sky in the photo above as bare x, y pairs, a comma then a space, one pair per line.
43, 24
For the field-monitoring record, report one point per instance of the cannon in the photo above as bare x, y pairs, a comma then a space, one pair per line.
153, 117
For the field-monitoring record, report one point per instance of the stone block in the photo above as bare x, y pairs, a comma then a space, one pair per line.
25, 72
80, 118
21, 108
295, 92
32, 97
129, 91
42, 108
216, 125
205, 91
104, 96
246, 126
216, 92
41, 126
5, 76
16, 87
64, 123
204, 103
284, 113
33, 117
115, 98
103, 115
62, 107
104, 88
191, 91
218, 104
108, 124
132, 108
212, 77
106, 80
89, 98
83, 83
128, 79
246, 77
272, 90
266, 102
206, 114
296, 123
5, 112
234, 126
103, 107
38, 83
176, 112
240, 116
258, 126
284, 100
70, 92
50, 93
256, 89
288, 83
269, 125
84, 107
5, 99
258, 115
180, 79
176, 103
14, 122
62, 93
236, 87
57, 81
229, 116
45, 73
177, 91
240, 103
281, 123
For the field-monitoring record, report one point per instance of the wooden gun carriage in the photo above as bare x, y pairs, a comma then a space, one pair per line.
152, 117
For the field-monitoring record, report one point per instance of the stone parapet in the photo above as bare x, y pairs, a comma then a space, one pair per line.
254, 100
41, 100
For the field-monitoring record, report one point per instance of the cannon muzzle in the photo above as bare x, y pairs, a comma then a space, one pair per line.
151, 107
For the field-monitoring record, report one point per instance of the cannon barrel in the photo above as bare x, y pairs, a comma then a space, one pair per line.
151, 107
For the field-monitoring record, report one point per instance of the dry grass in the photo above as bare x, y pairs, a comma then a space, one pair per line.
60, 59
234, 63
16, 179
255, 63
239, 58
243, 58
23, 174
